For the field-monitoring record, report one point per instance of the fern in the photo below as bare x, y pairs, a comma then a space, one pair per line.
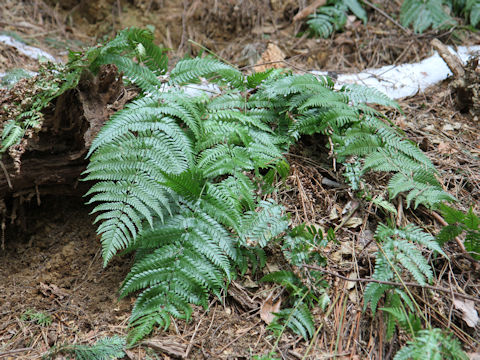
399, 253
191, 70
333, 17
384, 150
432, 344
107, 348
298, 318
172, 187
422, 14
178, 178
458, 223
38, 317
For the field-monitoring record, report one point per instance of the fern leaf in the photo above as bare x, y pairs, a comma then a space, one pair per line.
11, 135
107, 348
258, 228
422, 14
191, 70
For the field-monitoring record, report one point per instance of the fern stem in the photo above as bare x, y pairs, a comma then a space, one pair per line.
314, 337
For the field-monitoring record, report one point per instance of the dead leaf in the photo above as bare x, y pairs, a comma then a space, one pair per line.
353, 222
467, 307
268, 308
351, 284
310, 9
52, 291
445, 148
333, 214
271, 58
452, 126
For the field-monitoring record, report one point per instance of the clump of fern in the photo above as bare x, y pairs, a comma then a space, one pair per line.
431, 344
172, 185
107, 348
399, 253
460, 223
333, 16
422, 14
179, 178
419, 14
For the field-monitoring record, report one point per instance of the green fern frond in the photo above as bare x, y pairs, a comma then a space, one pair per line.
107, 348
224, 159
134, 72
191, 70
227, 101
422, 14
299, 320
431, 344
400, 251
328, 19
149, 116
359, 94
257, 78
293, 84
260, 227
11, 135
192, 259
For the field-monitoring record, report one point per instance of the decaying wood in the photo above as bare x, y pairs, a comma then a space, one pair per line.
52, 159
466, 86
452, 60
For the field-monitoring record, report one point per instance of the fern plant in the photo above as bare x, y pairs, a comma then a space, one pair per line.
107, 348
419, 14
431, 344
37, 317
301, 299
171, 184
333, 16
178, 178
399, 253
422, 14
461, 223
470, 9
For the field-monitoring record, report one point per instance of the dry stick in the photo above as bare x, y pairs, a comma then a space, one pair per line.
459, 242
14, 351
431, 287
190, 344
301, 191
6, 174
453, 62
442, 222
308, 10
376, 8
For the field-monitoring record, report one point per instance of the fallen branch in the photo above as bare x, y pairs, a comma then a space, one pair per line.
310, 9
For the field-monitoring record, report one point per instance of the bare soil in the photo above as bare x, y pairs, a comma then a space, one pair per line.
50, 258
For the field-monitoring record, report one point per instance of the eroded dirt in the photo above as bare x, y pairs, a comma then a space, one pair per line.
54, 266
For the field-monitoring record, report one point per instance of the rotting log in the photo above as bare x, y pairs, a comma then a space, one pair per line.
466, 85
52, 159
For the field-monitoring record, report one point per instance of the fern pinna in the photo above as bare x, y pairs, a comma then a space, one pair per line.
177, 177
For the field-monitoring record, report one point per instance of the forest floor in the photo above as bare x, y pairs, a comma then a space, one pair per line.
50, 259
